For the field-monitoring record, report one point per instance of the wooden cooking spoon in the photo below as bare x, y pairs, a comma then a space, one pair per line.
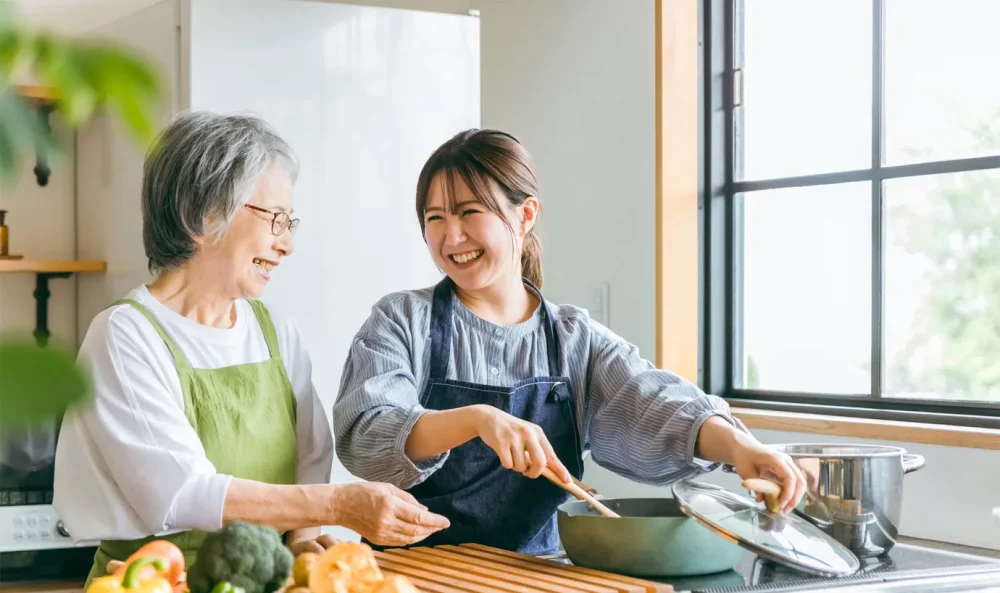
580, 493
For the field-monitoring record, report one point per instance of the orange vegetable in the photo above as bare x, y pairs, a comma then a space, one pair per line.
165, 550
131, 582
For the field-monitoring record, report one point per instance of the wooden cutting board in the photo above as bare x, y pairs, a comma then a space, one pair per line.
472, 568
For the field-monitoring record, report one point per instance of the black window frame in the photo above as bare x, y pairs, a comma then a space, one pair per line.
720, 222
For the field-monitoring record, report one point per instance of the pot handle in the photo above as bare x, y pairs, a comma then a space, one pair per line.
912, 462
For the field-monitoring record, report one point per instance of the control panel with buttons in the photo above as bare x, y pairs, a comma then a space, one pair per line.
32, 528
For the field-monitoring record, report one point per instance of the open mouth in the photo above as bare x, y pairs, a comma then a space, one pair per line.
264, 265
464, 258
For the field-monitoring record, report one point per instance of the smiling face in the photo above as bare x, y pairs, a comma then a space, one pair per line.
476, 247
243, 260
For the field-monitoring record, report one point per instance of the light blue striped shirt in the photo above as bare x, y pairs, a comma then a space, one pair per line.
638, 421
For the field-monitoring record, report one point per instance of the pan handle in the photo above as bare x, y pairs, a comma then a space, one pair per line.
588, 489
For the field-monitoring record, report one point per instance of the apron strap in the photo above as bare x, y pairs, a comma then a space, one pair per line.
551, 338
441, 328
179, 360
266, 326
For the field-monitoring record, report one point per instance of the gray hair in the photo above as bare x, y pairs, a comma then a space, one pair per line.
203, 166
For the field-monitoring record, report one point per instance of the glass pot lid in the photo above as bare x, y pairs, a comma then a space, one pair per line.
786, 538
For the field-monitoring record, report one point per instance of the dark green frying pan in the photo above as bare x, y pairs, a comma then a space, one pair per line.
652, 538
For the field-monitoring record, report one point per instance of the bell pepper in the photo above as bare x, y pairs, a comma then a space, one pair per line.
130, 582
165, 550
227, 587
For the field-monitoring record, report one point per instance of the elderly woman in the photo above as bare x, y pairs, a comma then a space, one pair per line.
204, 410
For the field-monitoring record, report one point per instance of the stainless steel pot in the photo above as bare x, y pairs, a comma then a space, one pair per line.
855, 492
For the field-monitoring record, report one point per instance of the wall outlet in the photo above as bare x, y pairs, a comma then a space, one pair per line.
600, 303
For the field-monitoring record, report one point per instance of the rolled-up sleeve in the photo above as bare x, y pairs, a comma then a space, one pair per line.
377, 406
644, 422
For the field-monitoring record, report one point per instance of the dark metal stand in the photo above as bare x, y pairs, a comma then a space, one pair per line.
41, 332
42, 169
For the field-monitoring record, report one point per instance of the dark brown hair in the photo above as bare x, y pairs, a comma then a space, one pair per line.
491, 164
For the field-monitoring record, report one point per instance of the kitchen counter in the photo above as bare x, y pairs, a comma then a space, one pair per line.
73, 586
970, 583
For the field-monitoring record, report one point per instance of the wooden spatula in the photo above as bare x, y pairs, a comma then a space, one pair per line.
580, 493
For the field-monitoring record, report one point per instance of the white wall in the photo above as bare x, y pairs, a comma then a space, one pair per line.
573, 80
42, 225
73, 17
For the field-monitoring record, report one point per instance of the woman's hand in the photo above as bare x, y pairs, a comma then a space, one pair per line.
754, 460
384, 514
721, 442
522, 446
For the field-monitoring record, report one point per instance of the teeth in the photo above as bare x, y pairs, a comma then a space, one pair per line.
463, 258
266, 266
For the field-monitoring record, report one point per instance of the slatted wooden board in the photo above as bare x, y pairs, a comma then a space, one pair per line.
472, 568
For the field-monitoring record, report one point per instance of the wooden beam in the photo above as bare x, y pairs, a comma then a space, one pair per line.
866, 428
677, 186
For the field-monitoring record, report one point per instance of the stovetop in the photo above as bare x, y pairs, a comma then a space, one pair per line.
754, 574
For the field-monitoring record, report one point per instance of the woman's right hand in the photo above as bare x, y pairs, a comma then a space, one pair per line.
384, 514
522, 446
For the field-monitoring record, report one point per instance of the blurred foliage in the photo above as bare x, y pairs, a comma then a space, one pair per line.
37, 384
86, 77
953, 349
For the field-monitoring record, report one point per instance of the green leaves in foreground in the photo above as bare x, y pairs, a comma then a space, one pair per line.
85, 76
37, 384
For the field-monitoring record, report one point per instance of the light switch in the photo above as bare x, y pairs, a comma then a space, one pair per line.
600, 308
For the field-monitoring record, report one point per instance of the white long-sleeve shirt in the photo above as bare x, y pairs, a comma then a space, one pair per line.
129, 464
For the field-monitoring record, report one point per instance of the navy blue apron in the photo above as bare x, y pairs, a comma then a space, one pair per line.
485, 502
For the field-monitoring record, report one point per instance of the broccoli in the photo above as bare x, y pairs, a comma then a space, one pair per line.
249, 557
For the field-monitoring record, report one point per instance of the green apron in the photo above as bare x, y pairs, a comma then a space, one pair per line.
245, 418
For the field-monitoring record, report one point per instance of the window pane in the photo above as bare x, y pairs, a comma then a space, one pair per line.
806, 88
942, 94
807, 290
942, 286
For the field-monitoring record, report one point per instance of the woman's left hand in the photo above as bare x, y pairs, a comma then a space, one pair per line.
751, 459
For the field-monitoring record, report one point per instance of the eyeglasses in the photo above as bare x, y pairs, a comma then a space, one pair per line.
279, 221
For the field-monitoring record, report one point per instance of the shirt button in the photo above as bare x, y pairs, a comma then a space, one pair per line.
497, 331
495, 371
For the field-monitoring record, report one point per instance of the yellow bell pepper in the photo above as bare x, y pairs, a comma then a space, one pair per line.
130, 582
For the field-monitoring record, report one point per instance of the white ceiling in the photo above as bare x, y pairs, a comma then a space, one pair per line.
76, 16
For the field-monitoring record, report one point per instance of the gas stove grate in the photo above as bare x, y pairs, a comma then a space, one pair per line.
857, 579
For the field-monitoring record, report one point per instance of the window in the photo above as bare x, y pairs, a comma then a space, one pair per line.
851, 206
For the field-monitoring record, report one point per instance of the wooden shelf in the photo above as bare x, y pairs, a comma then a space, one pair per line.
45, 270
40, 95
51, 266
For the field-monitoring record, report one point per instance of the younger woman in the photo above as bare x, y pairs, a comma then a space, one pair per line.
448, 388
